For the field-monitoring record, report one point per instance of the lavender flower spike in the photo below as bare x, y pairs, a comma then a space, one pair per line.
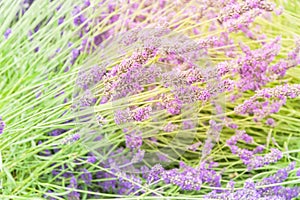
2, 125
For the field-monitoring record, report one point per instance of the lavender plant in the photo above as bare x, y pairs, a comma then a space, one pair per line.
149, 99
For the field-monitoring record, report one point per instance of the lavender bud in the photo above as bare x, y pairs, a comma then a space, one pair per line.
7, 33
2, 125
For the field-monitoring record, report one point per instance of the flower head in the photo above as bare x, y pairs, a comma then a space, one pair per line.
7, 33
2, 125
86, 176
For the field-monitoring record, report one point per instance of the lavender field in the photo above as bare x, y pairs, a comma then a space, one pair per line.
150, 99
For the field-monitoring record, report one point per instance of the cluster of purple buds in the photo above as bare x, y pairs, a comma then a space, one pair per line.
189, 94
240, 135
235, 15
78, 18
227, 44
122, 177
260, 161
7, 33
253, 68
293, 59
213, 136
71, 139
186, 177
138, 156
248, 192
225, 67
2, 125
73, 185
91, 76
214, 130
182, 78
92, 159
75, 54
249, 158
119, 174
280, 92
188, 124
134, 80
133, 140
170, 127
128, 183
141, 114
270, 122
268, 101
280, 176
128, 74
86, 176
194, 146
87, 99
127, 115
122, 116
260, 189
174, 107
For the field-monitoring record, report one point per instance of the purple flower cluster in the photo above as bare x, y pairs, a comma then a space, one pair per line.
92, 159
213, 136
227, 45
186, 177
71, 139
268, 101
240, 135
87, 99
182, 78
128, 185
7, 33
194, 146
91, 76
260, 189
172, 105
127, 115
298, 173
86, 176
259, 161
141, 114
122, 116
134, 80
293, 59
73, 185
253, 67
119, 173
170, 127
189, 124
133, 140
190, 94
121, 177
270, 122
2, 125
248, 157
236, 16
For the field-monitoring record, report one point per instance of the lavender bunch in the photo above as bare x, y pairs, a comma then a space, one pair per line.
249, 158
156, 97
268, 101
186, 177
236, 16
260, 189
